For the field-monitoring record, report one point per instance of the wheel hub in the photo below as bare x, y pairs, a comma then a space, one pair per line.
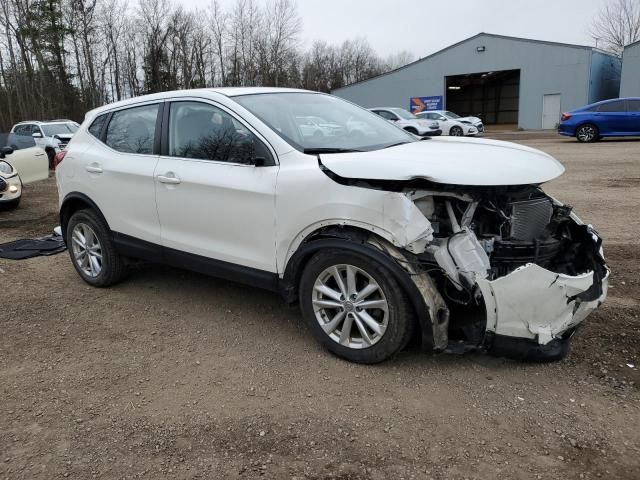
350, 306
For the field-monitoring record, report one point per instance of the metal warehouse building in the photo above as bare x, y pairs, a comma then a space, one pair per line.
630, 83
504, 80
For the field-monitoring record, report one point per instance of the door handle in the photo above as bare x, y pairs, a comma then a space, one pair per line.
168, 178
94, 168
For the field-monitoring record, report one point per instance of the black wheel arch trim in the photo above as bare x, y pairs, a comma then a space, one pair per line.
66, 210
293, 272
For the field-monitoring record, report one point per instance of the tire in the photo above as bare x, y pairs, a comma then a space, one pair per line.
394, 322
11, 204
88, 224
587, 133
412, 130
456, 132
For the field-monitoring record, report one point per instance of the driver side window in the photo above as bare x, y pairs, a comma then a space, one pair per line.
201, 131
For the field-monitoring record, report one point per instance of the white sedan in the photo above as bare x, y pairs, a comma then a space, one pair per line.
21, 162
449, 126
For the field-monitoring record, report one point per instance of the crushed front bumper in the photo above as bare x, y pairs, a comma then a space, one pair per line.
539, 306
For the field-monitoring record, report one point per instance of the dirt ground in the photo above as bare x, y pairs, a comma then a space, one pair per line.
176, 375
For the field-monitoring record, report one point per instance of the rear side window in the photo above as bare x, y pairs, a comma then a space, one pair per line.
634, 105
96, 127
133, 130
617, 106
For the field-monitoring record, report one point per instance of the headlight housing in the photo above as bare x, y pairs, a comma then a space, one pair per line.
5, 168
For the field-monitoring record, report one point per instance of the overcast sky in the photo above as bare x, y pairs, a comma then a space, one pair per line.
425, 26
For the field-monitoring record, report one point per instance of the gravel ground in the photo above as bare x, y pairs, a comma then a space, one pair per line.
177, 375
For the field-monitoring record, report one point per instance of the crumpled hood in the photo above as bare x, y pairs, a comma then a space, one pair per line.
457, 161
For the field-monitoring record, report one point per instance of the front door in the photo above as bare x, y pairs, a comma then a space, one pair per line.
212, 201
550, 111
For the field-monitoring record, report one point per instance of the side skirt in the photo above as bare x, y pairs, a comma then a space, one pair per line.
132, 247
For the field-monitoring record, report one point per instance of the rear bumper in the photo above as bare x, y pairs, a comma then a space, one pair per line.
566, 130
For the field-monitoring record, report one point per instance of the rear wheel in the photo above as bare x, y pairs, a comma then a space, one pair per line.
587, 133
456, 132
92, 251
354, 307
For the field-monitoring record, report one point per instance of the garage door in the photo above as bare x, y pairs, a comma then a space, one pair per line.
550, 111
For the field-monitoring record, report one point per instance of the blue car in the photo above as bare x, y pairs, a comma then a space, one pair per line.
609, 118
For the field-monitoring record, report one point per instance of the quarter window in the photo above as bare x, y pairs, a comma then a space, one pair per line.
617, 106
96, 127
133, 130
202, 131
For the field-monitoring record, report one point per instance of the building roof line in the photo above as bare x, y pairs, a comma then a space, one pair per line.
632, 44
494, 35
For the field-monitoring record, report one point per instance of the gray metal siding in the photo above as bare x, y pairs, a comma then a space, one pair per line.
605, 77
630, 86
544, 69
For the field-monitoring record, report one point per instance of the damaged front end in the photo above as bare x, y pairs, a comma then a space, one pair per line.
516, 270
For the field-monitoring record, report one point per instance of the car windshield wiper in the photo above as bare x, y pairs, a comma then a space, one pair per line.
313, 151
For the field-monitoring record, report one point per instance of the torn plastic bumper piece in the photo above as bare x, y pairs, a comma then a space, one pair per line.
537, 305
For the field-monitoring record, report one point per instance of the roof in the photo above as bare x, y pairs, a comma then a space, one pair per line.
42, 122
226, 91
634, 44
481, 34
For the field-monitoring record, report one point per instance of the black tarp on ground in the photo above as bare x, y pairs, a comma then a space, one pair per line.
29, 248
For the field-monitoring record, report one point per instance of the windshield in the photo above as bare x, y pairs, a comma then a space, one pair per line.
316, 122
52, 129
404, 114
452, 115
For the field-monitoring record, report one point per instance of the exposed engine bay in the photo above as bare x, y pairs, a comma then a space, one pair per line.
482, 235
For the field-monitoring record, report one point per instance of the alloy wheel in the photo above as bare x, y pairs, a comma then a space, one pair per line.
350, 306
87, 251
586, 133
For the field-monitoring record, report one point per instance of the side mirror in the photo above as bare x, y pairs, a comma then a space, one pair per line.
36, 135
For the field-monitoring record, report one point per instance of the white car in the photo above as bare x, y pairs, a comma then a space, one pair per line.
21, 162
408, 121
449, 126
52, 136
379, 236
474, 121
316, 126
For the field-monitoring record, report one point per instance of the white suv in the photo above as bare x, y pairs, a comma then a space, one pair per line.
379, 236
52, 136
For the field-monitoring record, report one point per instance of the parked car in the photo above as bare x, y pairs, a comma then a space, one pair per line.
51, 135
449, 126
316, 126
380, 237
21, 162
471, 120
409, 122
609, 118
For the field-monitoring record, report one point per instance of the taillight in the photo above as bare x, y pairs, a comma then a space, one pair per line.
57, 160
565, 117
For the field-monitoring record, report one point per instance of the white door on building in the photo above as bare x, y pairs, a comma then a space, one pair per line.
550, 111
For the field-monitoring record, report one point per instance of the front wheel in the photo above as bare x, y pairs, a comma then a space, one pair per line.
354, 307
92, 251
456, 132
587, 133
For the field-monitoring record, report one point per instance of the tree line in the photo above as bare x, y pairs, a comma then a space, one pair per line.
61, 58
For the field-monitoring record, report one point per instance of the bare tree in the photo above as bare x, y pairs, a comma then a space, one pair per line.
617, 25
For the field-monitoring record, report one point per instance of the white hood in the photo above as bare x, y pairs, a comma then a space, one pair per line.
457, 161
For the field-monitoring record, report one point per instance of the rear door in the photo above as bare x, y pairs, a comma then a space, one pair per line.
116, 170
611, 118
213, 202
633, 111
